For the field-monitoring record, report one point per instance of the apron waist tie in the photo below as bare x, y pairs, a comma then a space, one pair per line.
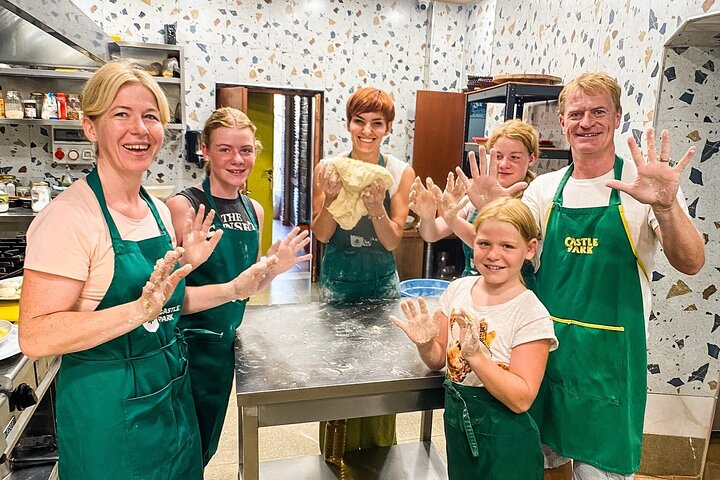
151, 353
466, 423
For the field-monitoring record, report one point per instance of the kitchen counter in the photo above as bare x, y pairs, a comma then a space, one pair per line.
15, 220
314, 361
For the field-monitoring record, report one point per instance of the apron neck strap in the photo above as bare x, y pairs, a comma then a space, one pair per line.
216, 221
95, 184
614, 194
381, 160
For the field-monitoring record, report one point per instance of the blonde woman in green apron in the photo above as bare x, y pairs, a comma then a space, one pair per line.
517, 148
494, 337
229, 148
358, 264
103, 289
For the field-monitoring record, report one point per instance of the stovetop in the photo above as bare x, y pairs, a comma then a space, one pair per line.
12, 256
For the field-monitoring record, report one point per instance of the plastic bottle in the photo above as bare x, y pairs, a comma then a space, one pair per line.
334, 445
61, 105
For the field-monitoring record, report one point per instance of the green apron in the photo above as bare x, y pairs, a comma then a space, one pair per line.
357, 267
210, 334
487, 440
592, 400
124, 408
468, 251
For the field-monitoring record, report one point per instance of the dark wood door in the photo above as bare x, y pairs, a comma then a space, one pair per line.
439, 134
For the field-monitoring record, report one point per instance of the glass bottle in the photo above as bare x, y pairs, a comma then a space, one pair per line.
13, 105
334, 444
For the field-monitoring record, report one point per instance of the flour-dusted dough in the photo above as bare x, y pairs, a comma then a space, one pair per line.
348, 208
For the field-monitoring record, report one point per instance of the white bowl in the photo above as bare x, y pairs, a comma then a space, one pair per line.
161, 192
5, 330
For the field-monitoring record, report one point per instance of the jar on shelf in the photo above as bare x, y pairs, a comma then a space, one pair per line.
39, 196
29, 109
38, 98
13, 105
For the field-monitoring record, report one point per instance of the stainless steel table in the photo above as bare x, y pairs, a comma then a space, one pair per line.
309, 362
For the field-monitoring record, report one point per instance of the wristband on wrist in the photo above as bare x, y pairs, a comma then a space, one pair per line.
379, 217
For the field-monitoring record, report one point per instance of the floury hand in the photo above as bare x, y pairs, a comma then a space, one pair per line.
161, 285
420, 327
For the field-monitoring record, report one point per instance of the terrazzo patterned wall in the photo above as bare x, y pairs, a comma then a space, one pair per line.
626, 38
333, 46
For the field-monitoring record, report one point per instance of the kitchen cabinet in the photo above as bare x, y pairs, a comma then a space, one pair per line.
438, 140
29, 80
409, 255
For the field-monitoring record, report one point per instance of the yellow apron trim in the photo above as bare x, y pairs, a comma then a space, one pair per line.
588, 325
632, 244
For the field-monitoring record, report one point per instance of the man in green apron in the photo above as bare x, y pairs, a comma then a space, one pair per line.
601, 219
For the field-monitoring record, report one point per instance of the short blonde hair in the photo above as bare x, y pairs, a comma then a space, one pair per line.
518, 130
512, 211
592, 83
102, 88
227, 117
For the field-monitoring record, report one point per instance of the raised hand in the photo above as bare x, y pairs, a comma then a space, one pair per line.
329, 181
159, 287
453, 188
286, 250
248, 282
657, 181
198, 241
422, 199
449, 206
420, 327
483, 187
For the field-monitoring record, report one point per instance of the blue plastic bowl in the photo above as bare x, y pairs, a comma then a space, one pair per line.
423, 287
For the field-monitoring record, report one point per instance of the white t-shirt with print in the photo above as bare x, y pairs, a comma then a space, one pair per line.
520, 320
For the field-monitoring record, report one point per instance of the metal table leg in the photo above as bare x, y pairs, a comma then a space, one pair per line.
249, 465
426, 417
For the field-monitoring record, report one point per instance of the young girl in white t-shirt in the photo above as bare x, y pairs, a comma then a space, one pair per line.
494, 337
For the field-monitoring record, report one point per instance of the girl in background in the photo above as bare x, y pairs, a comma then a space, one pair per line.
517, 148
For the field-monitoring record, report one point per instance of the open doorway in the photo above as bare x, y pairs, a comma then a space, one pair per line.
289, 123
